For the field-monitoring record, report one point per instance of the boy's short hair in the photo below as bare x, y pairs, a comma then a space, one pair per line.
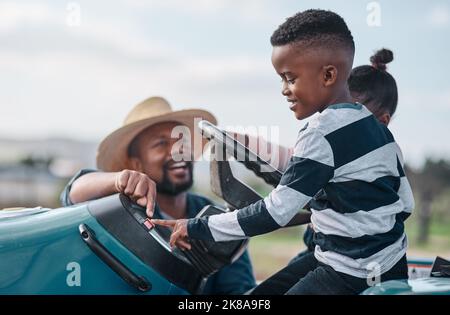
315, 28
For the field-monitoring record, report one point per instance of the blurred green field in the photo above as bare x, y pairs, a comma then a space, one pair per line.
272, 251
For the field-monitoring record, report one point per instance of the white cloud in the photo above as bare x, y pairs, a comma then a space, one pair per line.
92, 74
439, 16
45, 21
435, 101
219, 68
421, 126
61, 89
248, 10
13, 14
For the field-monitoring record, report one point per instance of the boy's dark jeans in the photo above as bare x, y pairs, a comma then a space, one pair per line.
307, 276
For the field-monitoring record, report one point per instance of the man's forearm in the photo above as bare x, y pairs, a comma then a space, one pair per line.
92, 186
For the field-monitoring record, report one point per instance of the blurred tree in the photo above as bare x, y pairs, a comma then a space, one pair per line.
429, 182
441, 207
37, 162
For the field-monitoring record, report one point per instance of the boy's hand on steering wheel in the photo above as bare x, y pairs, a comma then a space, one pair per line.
179, 235
139, 187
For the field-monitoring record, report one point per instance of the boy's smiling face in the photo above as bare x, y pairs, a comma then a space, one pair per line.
308, 77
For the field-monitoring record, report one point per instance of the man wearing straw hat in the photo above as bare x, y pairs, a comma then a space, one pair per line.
137, 160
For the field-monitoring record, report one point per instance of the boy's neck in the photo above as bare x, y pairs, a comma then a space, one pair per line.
343, 97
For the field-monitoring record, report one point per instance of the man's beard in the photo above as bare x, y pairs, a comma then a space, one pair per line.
166, 187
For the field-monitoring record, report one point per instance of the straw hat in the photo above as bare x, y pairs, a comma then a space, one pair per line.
112, 154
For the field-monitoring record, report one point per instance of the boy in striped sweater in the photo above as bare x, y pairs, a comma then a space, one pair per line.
344, 160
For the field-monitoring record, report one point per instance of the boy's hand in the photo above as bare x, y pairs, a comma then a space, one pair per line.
179, 235
139, 187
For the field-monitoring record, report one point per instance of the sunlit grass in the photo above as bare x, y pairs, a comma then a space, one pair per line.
273, 251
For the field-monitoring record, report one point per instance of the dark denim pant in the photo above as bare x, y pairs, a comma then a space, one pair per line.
305, 275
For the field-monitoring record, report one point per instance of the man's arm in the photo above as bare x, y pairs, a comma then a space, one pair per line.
93, 186
138, 186
65, 194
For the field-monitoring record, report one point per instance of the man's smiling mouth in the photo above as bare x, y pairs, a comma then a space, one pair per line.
178, 165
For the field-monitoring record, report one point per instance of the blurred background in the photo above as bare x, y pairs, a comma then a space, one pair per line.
71, 70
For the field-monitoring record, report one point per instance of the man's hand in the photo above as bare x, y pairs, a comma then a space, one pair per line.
139, 187
179, 235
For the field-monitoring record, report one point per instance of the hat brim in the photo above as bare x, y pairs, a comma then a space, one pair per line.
112, 154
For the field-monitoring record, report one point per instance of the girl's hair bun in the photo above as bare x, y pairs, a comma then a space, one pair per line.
381, 58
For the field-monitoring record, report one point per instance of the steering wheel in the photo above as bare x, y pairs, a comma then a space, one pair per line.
241, 153
229, 188
128, 223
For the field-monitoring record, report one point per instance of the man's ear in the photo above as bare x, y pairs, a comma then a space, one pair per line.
330, 74
385, 118
135, 164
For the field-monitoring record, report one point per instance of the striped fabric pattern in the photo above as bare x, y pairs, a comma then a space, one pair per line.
351, 169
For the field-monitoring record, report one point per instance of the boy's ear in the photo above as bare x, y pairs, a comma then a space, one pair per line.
330, 74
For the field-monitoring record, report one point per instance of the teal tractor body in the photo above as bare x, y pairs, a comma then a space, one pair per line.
100, 247
44, 253
426, 277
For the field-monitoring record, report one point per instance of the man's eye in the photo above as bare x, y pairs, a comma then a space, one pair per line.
160, 143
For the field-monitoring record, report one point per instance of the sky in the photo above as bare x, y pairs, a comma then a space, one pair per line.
75, 68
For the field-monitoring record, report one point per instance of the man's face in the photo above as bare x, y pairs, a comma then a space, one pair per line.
302, 77
155, 159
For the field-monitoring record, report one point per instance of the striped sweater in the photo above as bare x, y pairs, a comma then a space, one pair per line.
351, 169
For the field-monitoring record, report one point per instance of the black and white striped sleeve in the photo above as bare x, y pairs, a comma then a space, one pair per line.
310, 169
404, 191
